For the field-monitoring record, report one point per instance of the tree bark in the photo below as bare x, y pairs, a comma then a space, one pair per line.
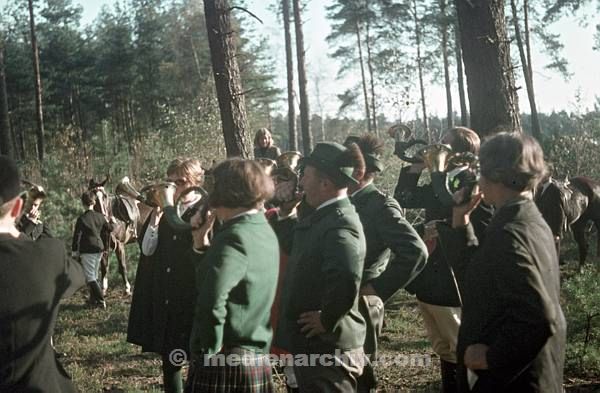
232, 103
420, 68
460, 73
444, 31
39, 114
490, 77
363, 76
304, 108
6, 146
371, 73
293, 135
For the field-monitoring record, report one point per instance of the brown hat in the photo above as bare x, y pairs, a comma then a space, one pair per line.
10, 179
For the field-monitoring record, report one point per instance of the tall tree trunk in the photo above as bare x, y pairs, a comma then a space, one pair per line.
371, 73
444, 31
420, 69
464, 115
228, 83
304, 109
39, 114
363, 76
490, 77
527, 76
6, 146
289, 62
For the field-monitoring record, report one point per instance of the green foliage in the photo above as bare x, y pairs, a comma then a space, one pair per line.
582, 309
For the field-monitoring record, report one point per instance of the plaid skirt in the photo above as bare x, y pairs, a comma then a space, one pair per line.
246, 377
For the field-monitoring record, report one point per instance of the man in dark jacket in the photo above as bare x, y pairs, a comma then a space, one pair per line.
35, 277
88, 245
386, 232
437, 287
320, 301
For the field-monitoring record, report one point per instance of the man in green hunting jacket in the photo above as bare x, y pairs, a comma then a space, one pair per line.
320, 299
386, 232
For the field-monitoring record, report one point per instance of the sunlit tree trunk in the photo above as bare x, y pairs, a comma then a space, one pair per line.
39, 114
304, 108
232, 103
490, 77
293, 135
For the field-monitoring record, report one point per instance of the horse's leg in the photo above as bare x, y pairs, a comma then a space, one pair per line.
122, 258
104, 265
578, 229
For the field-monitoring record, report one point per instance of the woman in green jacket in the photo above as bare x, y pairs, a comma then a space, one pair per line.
236, 278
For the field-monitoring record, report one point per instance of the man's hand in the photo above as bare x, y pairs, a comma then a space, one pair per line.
461, 214
311, 323
476, 357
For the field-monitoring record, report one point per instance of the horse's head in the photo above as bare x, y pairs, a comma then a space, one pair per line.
102, 202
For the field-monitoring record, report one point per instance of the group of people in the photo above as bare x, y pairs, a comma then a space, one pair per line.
485, 274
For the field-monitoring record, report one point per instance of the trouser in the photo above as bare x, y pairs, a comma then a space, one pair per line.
442, 325
338, 374
90, 263
372, 309
172, 379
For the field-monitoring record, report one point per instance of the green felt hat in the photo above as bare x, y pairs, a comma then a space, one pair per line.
330, 158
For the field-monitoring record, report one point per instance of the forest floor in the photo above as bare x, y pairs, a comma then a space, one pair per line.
100, 360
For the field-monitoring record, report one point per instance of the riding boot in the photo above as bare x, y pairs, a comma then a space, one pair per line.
172, 378
448, 371
96, 297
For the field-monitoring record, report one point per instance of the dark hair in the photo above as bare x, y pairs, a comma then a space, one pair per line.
240, 183
464, 140
88, 198
371, 148
513, 159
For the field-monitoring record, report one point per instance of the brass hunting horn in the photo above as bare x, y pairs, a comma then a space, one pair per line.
405, 141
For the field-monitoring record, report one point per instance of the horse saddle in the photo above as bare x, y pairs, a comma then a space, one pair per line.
126, 209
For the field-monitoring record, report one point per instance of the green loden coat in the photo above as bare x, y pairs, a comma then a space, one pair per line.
386, 232
324, 273
236, 281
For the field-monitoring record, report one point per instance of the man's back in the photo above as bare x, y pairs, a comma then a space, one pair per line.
35, 276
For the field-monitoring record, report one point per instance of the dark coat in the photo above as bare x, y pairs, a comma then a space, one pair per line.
89, 228
386, 232
164, 294
324, 272
35, 277
511, 302
33, 230
436, 284
271, 152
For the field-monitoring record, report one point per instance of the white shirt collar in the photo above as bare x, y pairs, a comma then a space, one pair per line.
331, 201
360, 189
247, 212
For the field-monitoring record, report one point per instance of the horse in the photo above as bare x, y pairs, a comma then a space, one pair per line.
128, 217
571, 204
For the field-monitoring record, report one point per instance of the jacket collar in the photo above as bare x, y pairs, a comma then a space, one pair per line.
323, 212
521, 208
254, 218
360, 196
